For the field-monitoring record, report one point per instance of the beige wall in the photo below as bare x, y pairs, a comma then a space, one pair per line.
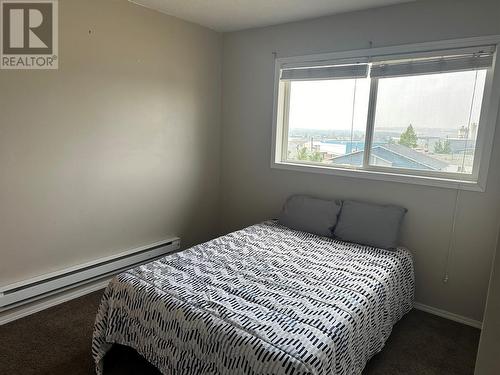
252, 191
119, 147
488, 358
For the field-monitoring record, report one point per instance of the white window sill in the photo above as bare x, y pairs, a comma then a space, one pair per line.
382, 176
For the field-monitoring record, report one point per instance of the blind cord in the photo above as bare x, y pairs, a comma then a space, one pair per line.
451, 241
352, 116
473, 100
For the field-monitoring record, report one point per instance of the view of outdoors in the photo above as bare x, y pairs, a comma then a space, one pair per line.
327, 119
424, 122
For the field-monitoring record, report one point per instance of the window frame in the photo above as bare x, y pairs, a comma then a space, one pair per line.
484, 142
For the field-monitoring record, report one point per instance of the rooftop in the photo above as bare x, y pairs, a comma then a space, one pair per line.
394, 155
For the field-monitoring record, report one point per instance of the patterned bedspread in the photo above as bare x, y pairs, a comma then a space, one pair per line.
262, 300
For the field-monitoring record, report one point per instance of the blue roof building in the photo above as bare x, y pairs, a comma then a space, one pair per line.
394, 155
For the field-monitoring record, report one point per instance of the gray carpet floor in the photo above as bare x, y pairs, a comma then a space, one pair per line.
56, 341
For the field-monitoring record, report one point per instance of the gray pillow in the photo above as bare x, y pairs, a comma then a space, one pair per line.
370, 224
309, 214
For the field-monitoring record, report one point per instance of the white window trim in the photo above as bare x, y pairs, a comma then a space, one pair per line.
489, 112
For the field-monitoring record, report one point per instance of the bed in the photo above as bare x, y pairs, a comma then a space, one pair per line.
262, 300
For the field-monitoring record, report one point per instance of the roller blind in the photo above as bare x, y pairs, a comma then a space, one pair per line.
325, 73
431, 66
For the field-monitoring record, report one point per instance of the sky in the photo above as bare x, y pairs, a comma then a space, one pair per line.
436, 101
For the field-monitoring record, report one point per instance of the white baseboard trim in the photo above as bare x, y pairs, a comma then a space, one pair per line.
56, 299
448, 315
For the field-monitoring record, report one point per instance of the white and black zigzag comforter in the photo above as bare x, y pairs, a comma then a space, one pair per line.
262, 300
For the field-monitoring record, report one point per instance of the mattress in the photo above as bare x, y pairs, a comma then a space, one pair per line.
262, 300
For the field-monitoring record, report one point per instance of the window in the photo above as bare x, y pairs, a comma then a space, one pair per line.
327, 118
411, 117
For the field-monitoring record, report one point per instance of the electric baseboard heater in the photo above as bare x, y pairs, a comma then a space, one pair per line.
26, 291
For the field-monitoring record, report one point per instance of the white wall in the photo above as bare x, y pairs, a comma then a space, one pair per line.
252, 191
488, 357
119, 147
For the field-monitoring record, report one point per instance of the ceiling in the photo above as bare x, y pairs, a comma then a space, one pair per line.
232, 15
